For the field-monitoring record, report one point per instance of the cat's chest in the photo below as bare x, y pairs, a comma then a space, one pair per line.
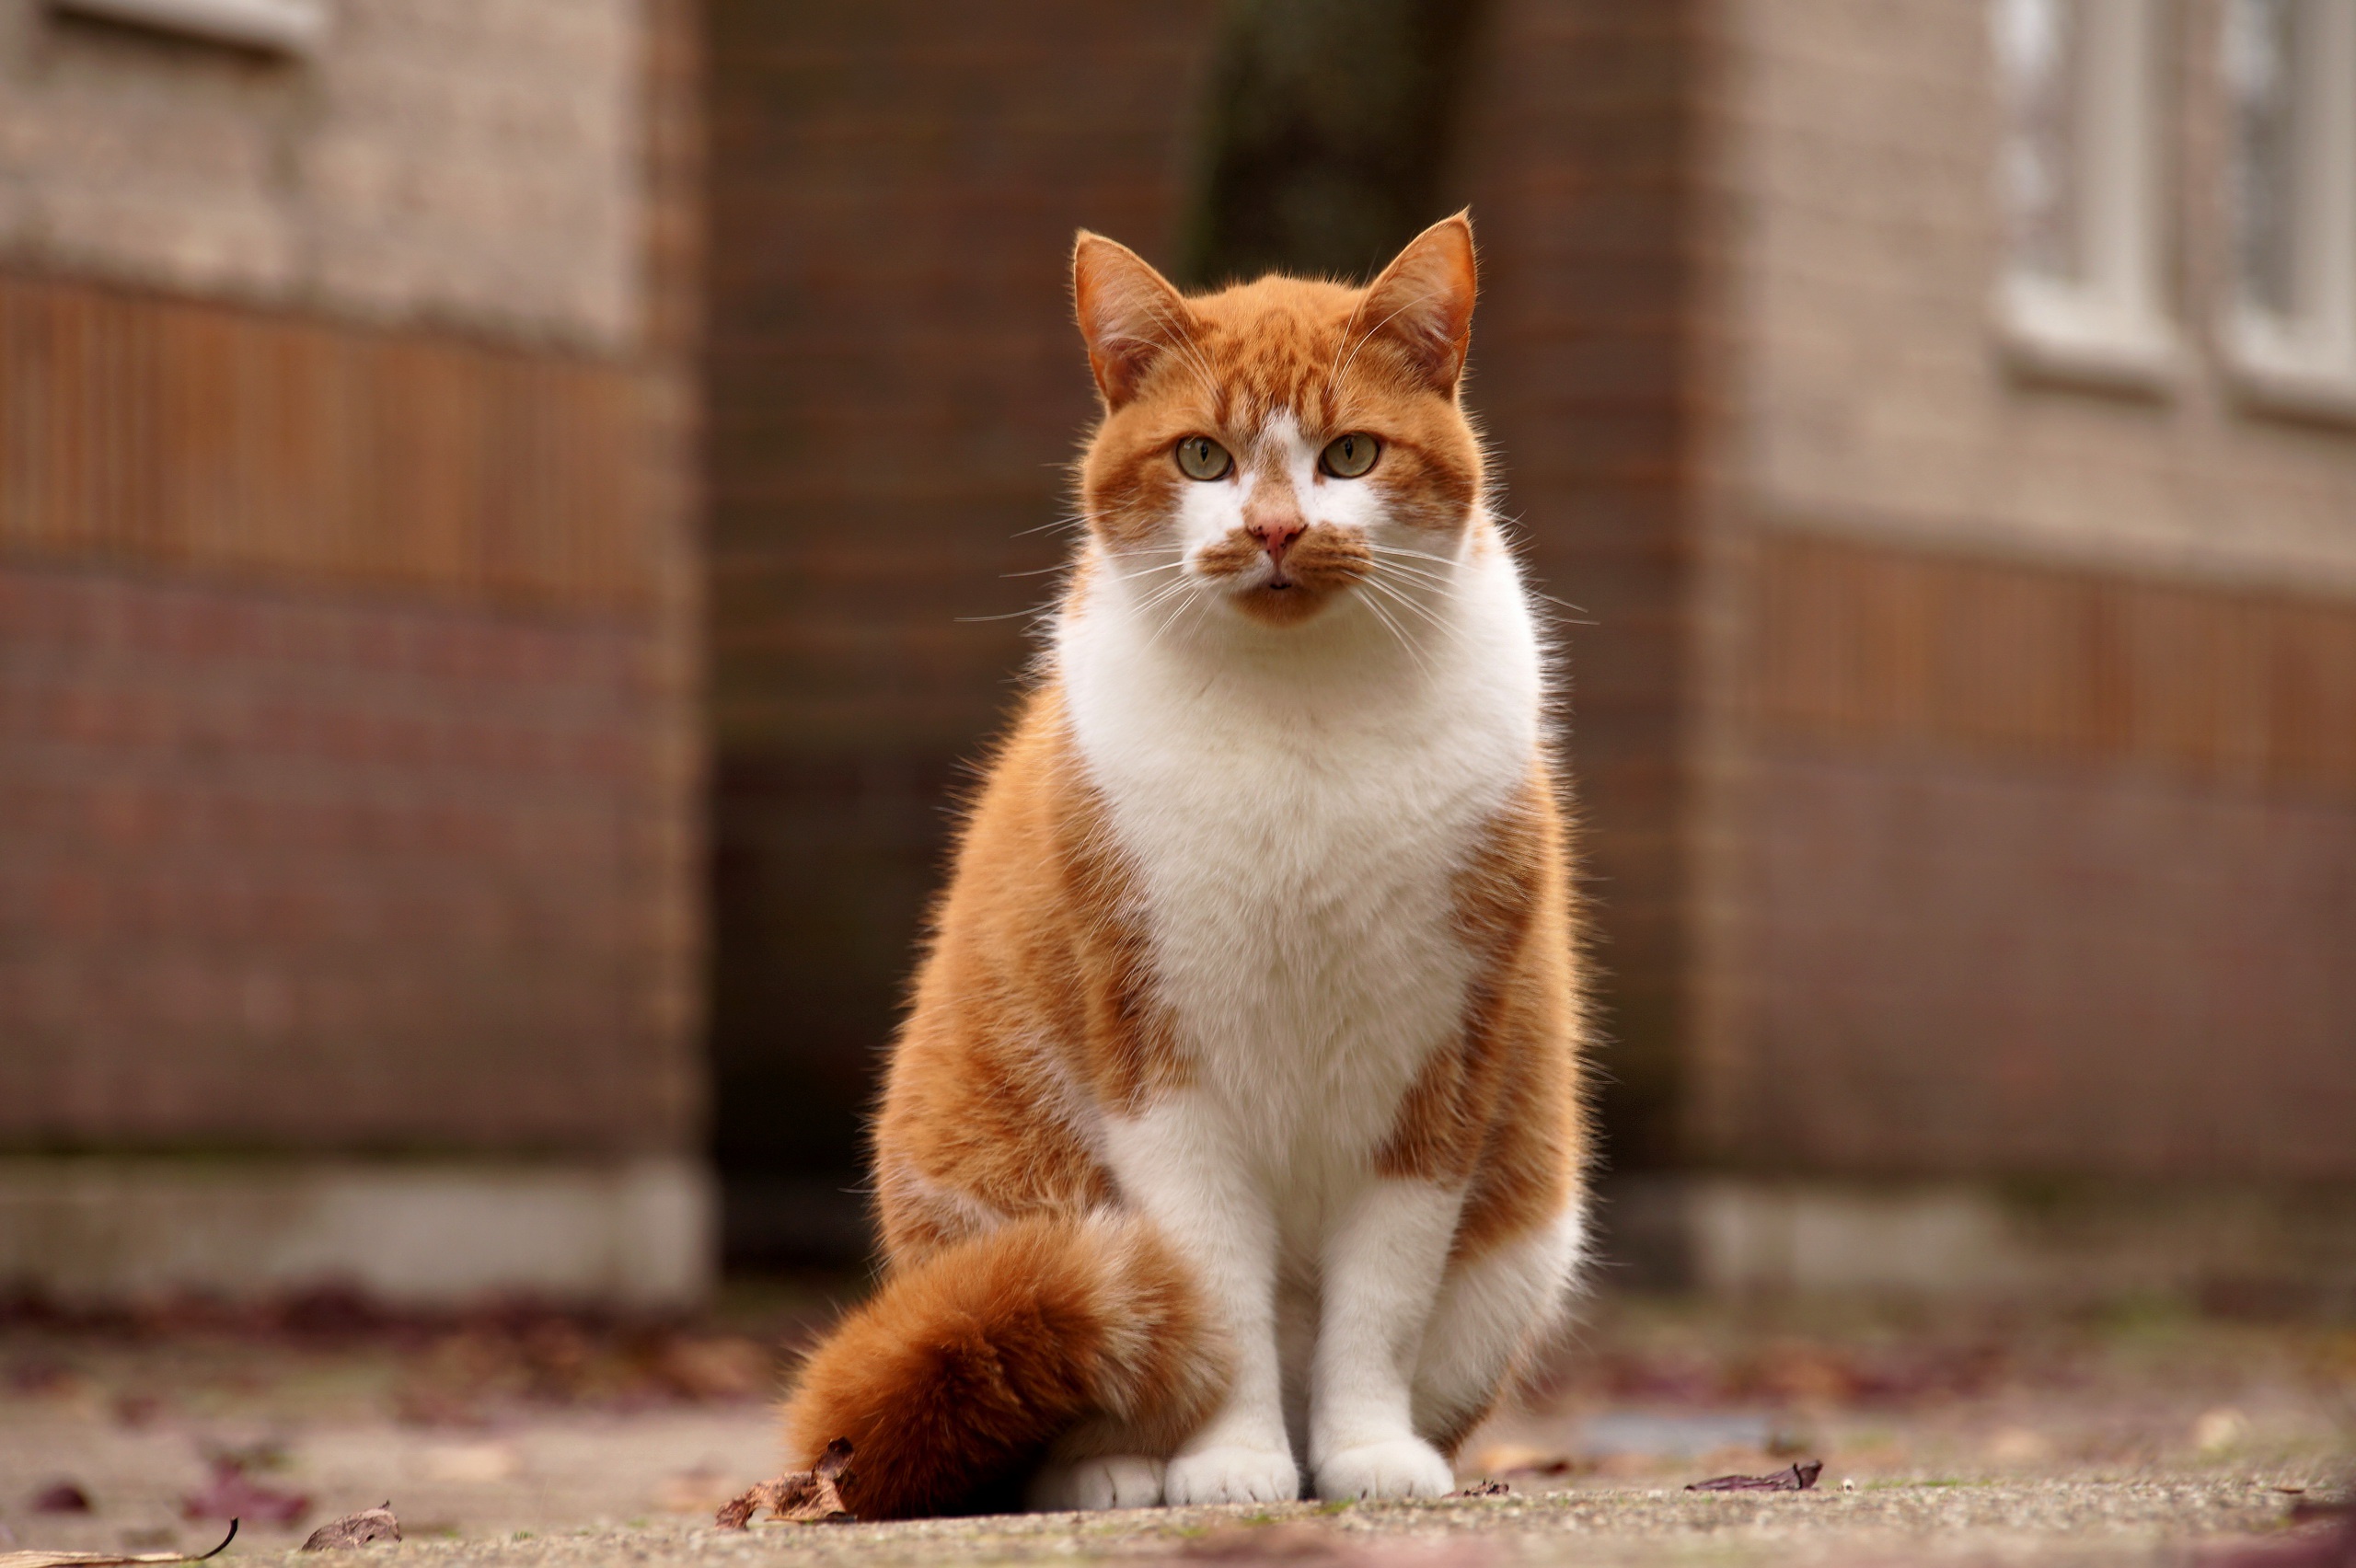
1298, 881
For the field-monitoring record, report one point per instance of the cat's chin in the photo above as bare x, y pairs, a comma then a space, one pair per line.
1293, 605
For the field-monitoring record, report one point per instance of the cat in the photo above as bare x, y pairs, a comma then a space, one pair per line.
1233, 1135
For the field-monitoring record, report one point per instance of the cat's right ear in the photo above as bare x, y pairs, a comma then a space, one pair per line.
1129, 313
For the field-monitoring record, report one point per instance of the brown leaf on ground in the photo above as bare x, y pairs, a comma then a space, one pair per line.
1799, 1478
802, 1497
363, 1529
231, 1493
40, 1558
61, 1497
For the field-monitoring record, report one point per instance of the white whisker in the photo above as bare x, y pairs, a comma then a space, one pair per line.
1404, 603
1414, 555
1417, 574
1399, 633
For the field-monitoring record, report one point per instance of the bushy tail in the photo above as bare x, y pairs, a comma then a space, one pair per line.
953, 1379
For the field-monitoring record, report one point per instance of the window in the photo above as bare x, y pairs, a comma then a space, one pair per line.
2079, 178
279, 26
2290, 74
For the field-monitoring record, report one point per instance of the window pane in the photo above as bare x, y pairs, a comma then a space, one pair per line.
2038, 47
2262, 43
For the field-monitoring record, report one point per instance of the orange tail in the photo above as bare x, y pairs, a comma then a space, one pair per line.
953, 1379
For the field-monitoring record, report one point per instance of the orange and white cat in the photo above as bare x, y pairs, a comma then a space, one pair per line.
1234, 1136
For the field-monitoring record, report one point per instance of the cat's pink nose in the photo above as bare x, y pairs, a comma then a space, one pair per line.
1276, 531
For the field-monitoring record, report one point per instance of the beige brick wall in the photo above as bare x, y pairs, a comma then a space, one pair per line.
1872, 395
468, 162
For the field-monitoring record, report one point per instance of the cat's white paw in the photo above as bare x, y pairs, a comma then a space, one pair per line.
1404, 1467
1115, 1480
1232, 1475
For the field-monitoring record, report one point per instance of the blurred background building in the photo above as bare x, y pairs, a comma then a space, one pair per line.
515, 522
349, 867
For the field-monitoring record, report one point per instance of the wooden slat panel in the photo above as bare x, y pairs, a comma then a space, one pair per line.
2237, 685
171, 433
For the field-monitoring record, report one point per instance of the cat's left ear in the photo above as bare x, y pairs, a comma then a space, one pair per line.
1129, 313
1423, 302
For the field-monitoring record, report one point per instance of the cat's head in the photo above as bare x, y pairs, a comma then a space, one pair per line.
1276, 445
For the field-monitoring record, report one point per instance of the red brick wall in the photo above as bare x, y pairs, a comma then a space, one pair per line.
2045, 872
322, 870
893, 381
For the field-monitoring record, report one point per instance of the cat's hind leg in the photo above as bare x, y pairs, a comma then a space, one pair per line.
1100, 1481
1494, 1312
1105, 1463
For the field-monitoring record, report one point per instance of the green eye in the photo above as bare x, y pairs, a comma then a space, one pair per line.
1347, 456
1200, 457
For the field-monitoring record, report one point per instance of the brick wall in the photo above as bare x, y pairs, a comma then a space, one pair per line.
313, 872
2036, 807
1874, 394
894, 383
1583, 164
2049, 872
348, 667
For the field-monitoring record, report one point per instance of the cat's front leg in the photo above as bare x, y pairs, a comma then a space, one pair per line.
1178, 1163
1382, 1269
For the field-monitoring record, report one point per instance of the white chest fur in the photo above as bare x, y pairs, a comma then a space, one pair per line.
1298, 804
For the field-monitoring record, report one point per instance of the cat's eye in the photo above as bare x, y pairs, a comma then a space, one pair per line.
1347, 456
1200, 457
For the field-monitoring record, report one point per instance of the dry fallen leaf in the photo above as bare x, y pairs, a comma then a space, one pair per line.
803, 1497
1799, 1478
363, 1529
39, 1559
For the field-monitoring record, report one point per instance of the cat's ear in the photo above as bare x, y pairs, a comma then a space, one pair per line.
1423, 302
1129, 313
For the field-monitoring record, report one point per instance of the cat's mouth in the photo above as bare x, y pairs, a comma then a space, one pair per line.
1281, 602
1319, 566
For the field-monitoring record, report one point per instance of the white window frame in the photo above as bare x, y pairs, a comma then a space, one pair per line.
2111, 324
2305, 361
275, 27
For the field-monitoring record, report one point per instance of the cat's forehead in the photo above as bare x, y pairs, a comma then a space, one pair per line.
1277, 345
